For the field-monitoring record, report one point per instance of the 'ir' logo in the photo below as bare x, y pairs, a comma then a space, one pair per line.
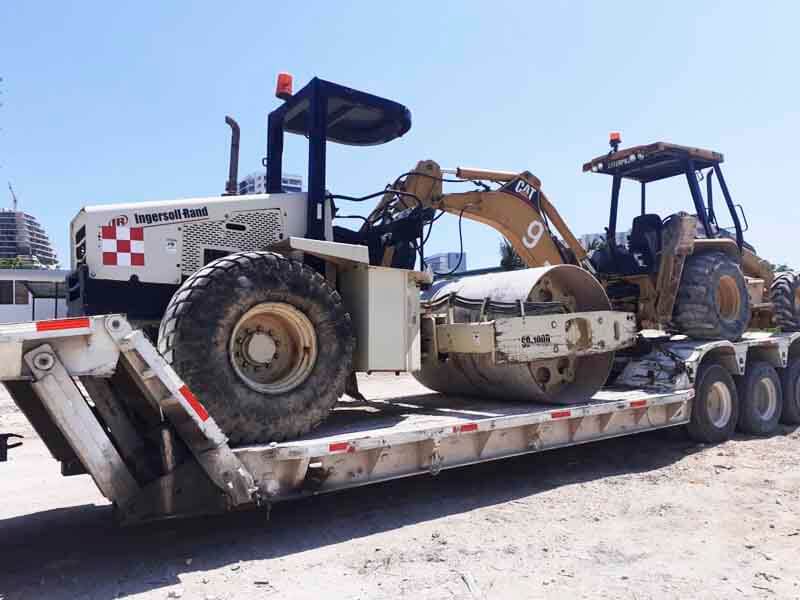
120, 221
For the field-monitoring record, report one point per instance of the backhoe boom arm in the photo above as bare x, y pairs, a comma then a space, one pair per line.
518, 210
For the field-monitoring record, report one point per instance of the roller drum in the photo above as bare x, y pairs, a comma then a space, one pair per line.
563, 380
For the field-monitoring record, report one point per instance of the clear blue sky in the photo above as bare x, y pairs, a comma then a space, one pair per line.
115, 102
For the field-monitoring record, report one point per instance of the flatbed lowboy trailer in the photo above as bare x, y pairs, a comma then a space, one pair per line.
106, 403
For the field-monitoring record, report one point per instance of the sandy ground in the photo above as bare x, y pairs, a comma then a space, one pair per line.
649, 516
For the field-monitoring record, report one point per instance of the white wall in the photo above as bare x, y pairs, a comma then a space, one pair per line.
17, 312
45, 309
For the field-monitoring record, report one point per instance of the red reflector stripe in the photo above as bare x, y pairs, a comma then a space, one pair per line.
58, 324
194, 403
638, 403
339, 447
468, 427
560, 414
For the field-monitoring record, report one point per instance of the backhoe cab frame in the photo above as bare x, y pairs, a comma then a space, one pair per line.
661, 160
658, 281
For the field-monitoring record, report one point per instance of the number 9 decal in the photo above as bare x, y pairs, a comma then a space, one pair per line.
534, 234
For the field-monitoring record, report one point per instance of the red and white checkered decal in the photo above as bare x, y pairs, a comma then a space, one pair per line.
122, 246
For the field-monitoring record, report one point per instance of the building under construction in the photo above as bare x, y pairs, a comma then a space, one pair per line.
22, 238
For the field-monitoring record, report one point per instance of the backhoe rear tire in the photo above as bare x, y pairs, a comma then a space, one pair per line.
785, 297
264, 343
712, 301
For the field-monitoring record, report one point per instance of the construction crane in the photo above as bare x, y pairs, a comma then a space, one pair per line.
14, 202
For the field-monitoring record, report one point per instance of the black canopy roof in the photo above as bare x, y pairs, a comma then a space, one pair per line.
354, 118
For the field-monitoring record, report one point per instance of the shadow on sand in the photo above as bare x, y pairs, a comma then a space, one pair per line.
80, 552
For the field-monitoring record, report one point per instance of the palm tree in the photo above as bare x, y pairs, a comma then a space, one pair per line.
596, 244
779, 268
509, 259
11, 263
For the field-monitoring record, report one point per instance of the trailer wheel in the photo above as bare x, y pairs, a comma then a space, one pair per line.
785, 297
712, 299
263, 341
761, 399
790, 382
715, 408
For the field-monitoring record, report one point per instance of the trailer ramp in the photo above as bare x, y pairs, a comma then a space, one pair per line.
105, 402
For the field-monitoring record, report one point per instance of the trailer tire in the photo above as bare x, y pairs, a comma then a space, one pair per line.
790, 382
715, 408
264, 342
760, 399
785, 296
712, 300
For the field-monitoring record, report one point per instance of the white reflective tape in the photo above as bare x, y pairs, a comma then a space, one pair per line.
109, 245
124, 259
123, 233
137, 246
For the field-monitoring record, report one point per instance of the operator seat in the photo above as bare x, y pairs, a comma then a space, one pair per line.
644, 243
645, 240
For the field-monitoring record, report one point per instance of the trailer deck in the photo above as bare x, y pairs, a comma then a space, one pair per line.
408, 435
106, 403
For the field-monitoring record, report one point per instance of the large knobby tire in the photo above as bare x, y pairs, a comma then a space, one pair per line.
263, 341
712, 301
785, 297
715, 408
790, 382
760, 398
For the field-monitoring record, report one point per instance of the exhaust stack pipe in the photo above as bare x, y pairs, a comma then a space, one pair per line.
232, 185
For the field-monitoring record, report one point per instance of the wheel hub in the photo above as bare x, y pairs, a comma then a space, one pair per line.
273, 348
765, 398
729, 302
260, 348
720, 404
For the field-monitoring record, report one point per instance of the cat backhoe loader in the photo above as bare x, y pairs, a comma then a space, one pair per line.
683, 273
